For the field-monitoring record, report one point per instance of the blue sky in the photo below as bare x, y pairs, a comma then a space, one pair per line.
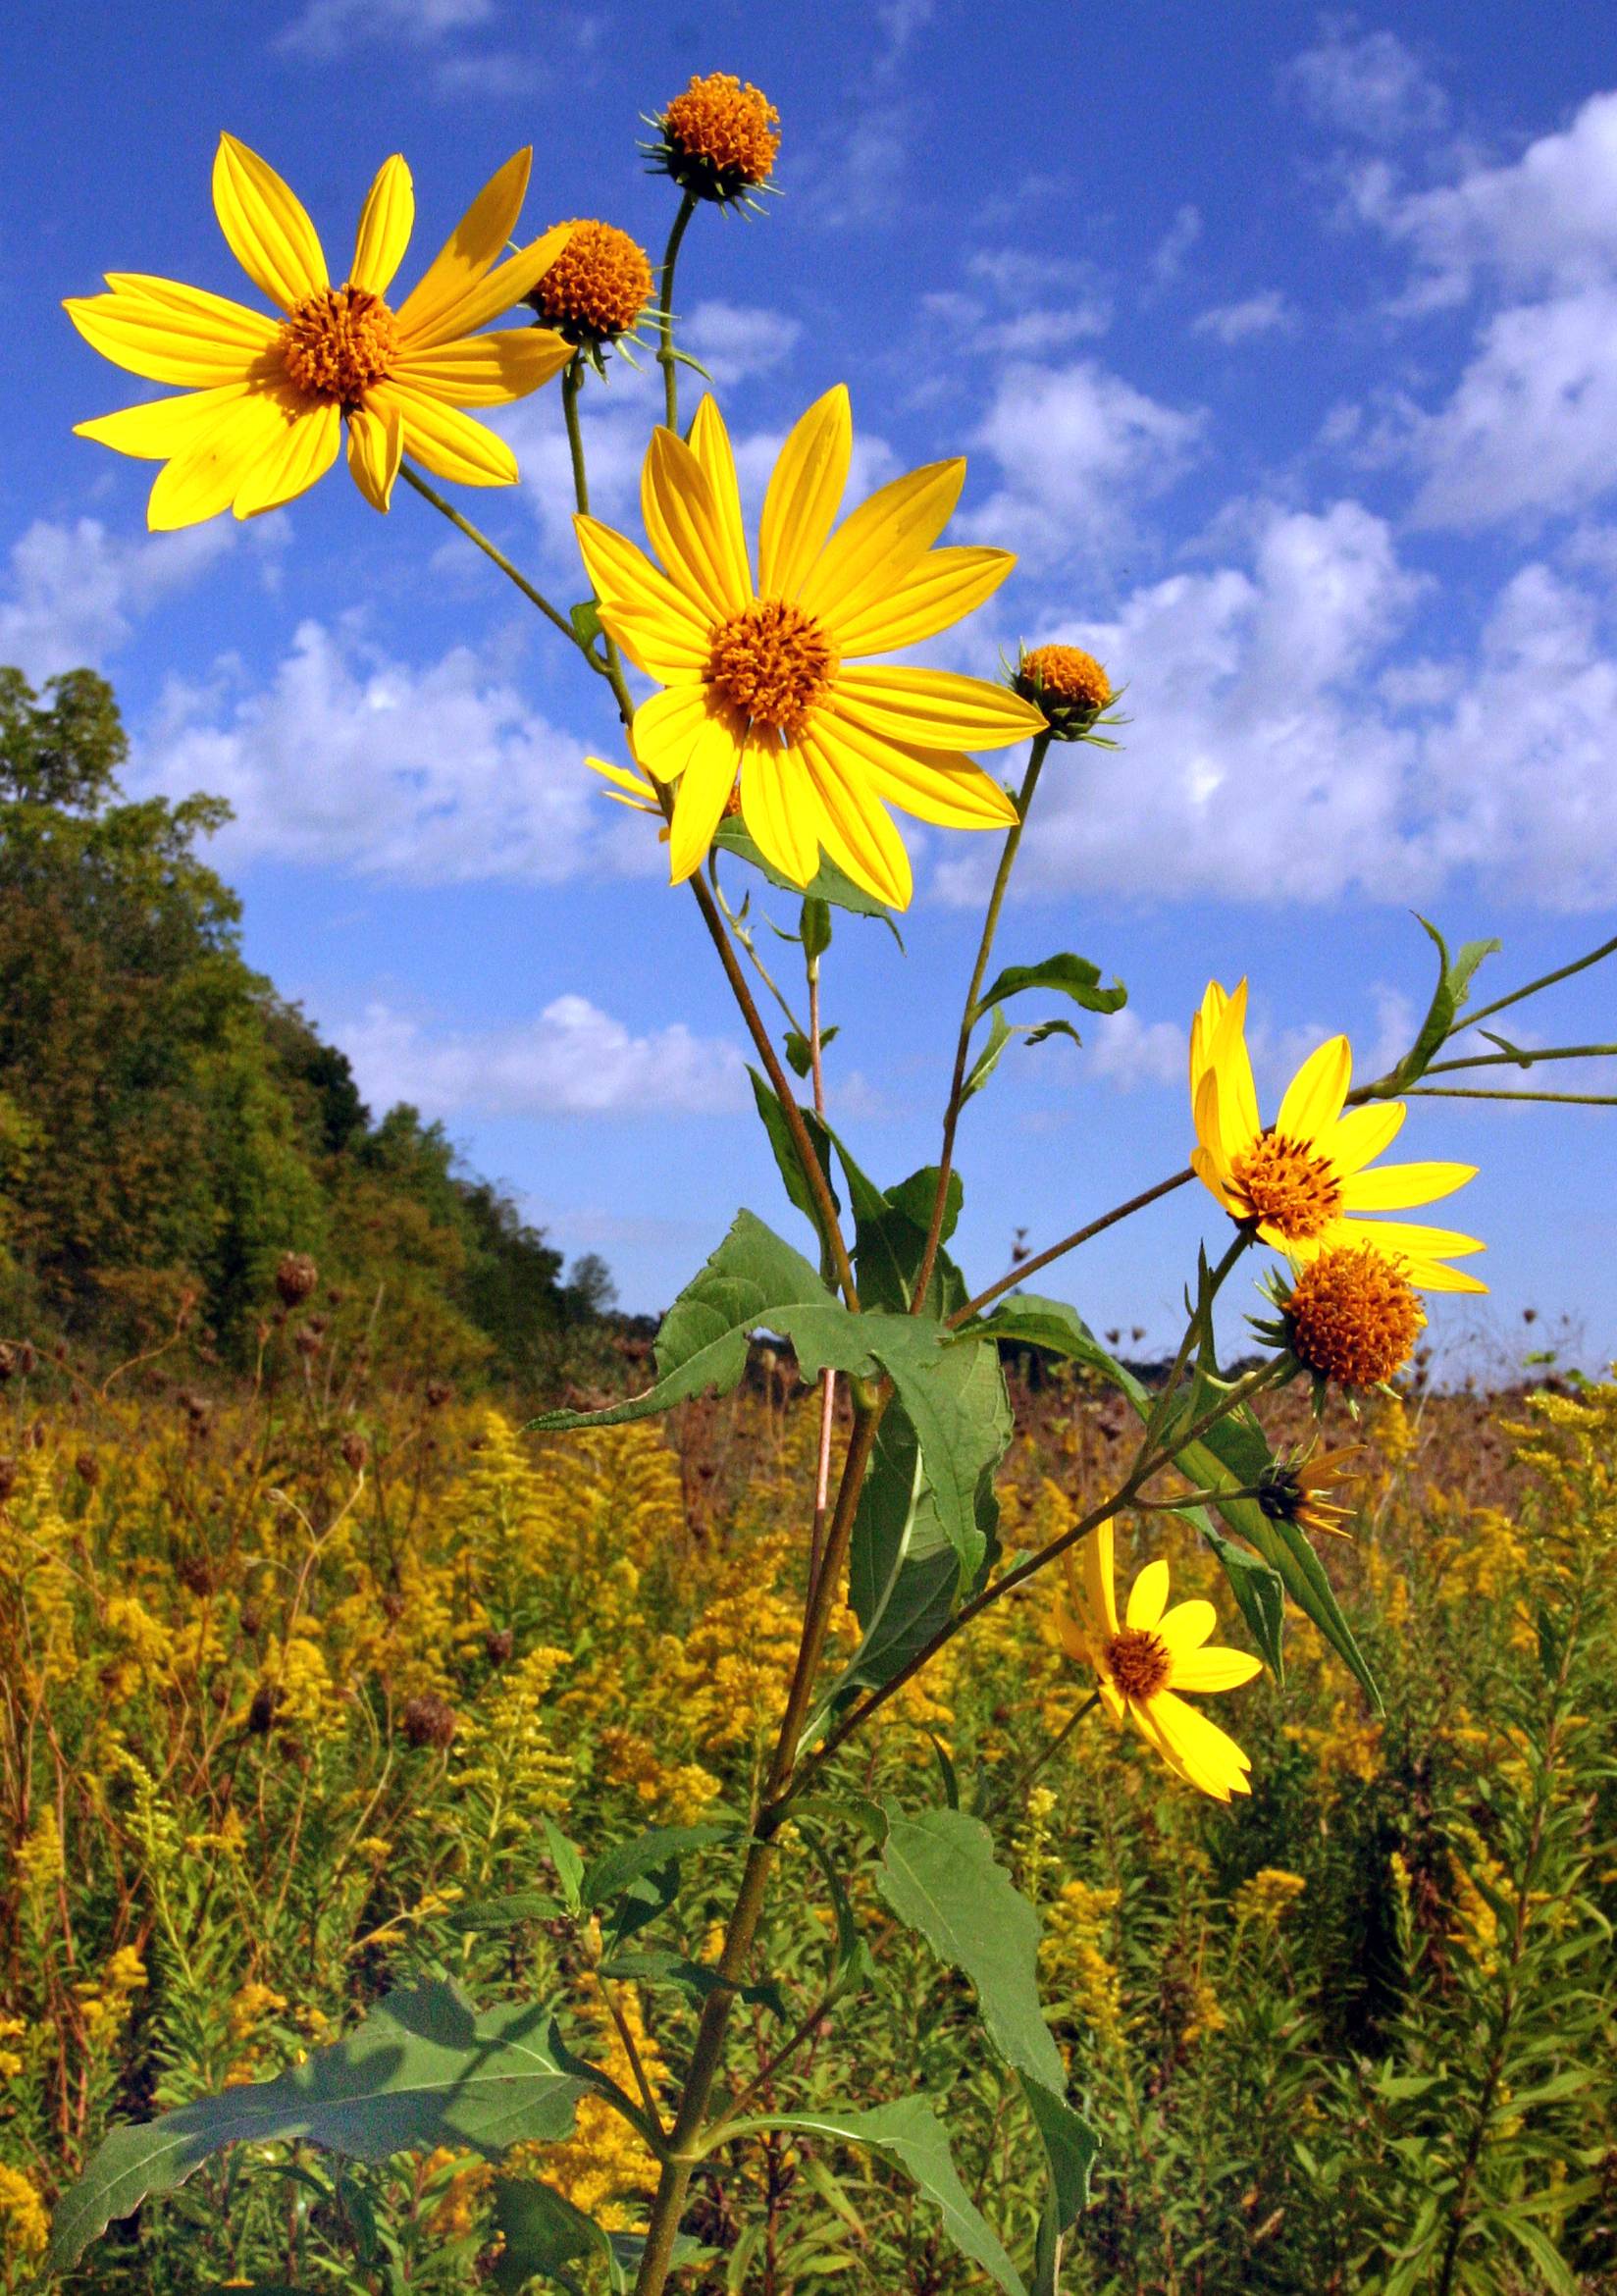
1284, 346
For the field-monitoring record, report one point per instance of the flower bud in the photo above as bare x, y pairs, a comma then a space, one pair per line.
718, 140
1068, 685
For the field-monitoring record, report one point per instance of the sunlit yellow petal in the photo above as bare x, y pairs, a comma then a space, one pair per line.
1361, 1133
1394, 1187
778, 806
668, 727
1409, 1240
854, 828
449, 443
468, 251
201, 481
710, 444
376, 447
942, 786
304, 450
941, 589
1433, 1276
623, 576
386, 222
486, 370
628, 788
163, 427
1314, 1097
685, 526
936, 709
269, 231
1214, 1668
202, 342
658, 645
804, 491
1230, 1061
879, 542
703, 790
1210, 1758
496, 292
1186, 1626
1148, 1595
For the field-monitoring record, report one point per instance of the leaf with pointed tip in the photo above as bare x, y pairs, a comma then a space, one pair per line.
423, 2069
788, 1158
609, 1874
1072, 977
911, 2135
827, 884
1071, 2149
1000, 1033
1454, 977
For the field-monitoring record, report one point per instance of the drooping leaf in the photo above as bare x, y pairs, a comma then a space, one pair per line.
910, 2134
987, 1061
696, 1978
1032, 1321
1072, 977
814, 927
939, 1875
1043, 1030
565, 1857
1454, 977
788, 1157
828, 884
903, 1570
423, 2069
954, 1400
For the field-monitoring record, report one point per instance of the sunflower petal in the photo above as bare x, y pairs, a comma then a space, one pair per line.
667, 729
703, 792
188, 337
778, 803
805, 489
497, 291
376, 447
1314, 1097
386, 222
1394, 1187
201, 481
449, 443
1433, 1276
163, 427
302, 454
941, 589
936, 709
624, 578
1407, 1240
267, 227
1214, 1668
1209, 1758
710, 444
1186, 1626
685, 528
879, 543
1230, 1061
1099, 1572
853, 827
1148, 1595
486, 370
1361, 1133
629, 788
468, 251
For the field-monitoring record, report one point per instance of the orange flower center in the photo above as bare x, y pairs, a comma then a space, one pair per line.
598, 286
1137, 1662
1067, 674
339, 343
727, 129
1353, 1315
1288, 1186
771, 663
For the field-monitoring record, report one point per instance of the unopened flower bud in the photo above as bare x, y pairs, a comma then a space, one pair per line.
1068, 685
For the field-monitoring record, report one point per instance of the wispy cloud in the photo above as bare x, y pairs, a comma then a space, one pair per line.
71, 594
1369, 85
1268, 313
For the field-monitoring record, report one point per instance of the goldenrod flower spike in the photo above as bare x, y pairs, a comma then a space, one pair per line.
767, 680
262, 419
1304, 1178
1143, 1660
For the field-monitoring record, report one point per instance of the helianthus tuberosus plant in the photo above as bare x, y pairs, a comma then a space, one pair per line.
766, 737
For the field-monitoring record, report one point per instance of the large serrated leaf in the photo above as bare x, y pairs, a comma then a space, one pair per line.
939, 1875
1032, 1321
423, 2069
910, 2134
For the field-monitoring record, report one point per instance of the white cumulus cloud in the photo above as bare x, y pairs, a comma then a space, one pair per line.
72, 594
1365, 84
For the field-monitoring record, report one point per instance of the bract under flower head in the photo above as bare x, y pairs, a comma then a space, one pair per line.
719, 138
1304, 1179
765, 681
269, 397
1143, 1660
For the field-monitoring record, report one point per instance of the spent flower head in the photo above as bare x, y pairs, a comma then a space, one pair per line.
718, 140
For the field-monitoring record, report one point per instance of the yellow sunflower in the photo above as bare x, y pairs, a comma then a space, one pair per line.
1303, 1178
769, 680
263, 417
1142, 1662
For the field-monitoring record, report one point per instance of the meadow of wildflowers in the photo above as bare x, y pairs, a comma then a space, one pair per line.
764, 1822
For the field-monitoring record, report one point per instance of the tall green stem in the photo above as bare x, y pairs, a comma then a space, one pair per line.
512, 573
666, 311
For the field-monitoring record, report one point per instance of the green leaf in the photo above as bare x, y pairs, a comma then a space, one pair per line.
939, 1875
506, 1912
754, 1281
793, 1173
545, 2233
955, 1399
911, 2135
1454, 977
608, 1875
828, 884
903, 1570
814, 928
1000, 1033
696, 1978
586, 621
564, 1857
1049, 1028
1074, 977
423, 2069
1070, 2148
1051, 1323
